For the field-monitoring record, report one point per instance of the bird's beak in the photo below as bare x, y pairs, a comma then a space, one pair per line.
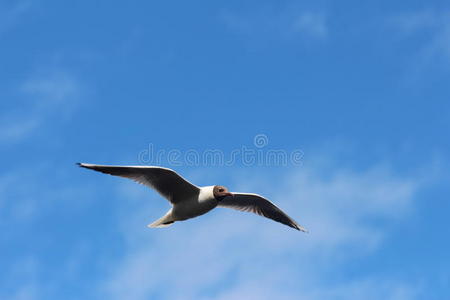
230, 194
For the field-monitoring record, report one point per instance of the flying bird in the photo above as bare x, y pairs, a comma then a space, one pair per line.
188, 200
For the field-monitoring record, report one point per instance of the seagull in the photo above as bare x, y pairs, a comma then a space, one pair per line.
190, 201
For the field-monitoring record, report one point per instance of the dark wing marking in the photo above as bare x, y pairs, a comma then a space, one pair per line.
259, 205
165, 181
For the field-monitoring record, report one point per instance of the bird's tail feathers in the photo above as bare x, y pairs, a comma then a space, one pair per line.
165, 221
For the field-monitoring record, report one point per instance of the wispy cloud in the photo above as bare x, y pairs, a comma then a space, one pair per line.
312, 24
55, 88
27, 192
22, 282
53, 94
433, 29
11, 14
287, 24
231, 255
29, 197
14, 128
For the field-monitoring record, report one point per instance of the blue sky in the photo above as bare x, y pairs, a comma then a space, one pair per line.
360, 89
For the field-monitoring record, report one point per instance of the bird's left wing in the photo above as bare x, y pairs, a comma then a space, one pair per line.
165, 181
259, 205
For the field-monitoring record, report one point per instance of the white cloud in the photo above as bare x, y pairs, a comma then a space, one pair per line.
10, 14
22, 280
289, 23
28, 193
41, 97
233, 255
312, 24
14, 128
54, 88
433, 25
409, 23
370, 289
29, 197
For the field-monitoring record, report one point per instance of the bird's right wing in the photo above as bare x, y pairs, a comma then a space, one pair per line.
165, 181
259, 205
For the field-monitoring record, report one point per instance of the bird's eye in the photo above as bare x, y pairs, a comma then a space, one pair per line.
221, 190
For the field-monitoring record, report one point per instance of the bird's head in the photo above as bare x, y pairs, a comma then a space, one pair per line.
221, 192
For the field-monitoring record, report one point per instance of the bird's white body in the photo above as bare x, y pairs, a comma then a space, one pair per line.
194, 206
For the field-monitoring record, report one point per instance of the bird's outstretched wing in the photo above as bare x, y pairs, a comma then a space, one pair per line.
259, 205
165, 181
